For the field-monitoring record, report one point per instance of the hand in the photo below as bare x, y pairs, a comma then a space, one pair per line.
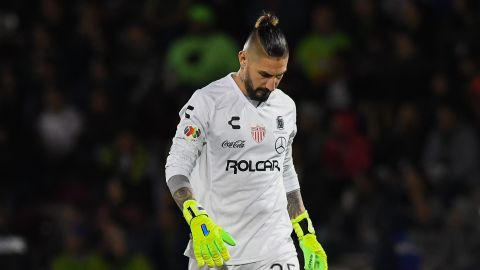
313, 253
208, 238
315, 257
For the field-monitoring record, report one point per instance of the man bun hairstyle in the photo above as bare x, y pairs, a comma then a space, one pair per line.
269, 36
266, 19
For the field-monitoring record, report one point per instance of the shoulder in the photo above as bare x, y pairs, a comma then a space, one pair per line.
216, 93
284, 100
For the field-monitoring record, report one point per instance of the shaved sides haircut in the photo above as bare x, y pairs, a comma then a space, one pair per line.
267, 37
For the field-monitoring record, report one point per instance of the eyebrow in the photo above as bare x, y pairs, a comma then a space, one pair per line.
266, 74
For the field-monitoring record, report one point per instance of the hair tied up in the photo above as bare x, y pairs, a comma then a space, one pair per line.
266, 19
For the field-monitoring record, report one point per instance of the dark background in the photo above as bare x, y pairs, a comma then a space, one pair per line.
388, 101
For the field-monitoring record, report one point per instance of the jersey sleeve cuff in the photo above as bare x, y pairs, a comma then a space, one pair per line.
176, 182
291, 183
172, 171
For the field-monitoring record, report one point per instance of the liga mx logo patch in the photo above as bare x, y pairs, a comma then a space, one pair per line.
258, 133
191, 132
280, 123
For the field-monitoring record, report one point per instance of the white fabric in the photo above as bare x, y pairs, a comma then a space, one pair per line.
285, 262
241, 183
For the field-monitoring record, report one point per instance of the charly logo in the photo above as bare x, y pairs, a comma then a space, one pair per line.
280, 123
280, 145
234, 119
189, 108
233, 144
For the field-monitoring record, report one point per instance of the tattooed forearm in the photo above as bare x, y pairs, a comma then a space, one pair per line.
295, 204
181, 195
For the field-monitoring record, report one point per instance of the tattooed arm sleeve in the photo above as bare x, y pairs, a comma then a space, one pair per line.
295, 203
180, 189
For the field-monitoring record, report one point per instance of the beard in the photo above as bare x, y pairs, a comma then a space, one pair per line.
258, 94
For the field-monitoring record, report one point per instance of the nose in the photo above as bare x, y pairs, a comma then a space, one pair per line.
272, 83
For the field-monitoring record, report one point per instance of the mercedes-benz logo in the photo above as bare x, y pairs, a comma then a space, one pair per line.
280, 144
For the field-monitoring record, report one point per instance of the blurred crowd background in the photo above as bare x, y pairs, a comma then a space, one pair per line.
388, 100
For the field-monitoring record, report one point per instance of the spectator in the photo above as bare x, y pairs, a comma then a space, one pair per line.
100, 124
316, 51
473, 96
129, 161
75, 255
407, 72
345, 158
59, 125
365, 20
204, 53
137, 64
450, 156
127, 158
346, 151
166, 18
116, 254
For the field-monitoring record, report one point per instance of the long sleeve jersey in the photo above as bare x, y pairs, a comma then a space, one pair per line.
238, 159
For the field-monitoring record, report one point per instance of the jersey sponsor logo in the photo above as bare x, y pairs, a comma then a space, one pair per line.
191, 132
251, 166
280, 123
234, 118
280, 145
258, 133
233, 144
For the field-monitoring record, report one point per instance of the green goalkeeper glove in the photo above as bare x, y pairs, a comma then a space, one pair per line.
313, 253
207, 237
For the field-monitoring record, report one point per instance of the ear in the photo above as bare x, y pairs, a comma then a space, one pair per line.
242, 58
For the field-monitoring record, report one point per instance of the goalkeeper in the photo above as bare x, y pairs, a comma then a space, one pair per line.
230, 166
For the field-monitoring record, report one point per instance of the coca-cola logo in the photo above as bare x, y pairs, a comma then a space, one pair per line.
233, 144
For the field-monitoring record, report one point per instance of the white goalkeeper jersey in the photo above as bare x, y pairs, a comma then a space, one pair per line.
239, 161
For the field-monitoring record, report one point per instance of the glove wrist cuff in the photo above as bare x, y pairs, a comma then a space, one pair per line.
192, 209
302, 225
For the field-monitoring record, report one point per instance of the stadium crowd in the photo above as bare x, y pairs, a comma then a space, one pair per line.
387, 150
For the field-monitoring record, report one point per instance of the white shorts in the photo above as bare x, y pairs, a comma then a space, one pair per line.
287, 262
